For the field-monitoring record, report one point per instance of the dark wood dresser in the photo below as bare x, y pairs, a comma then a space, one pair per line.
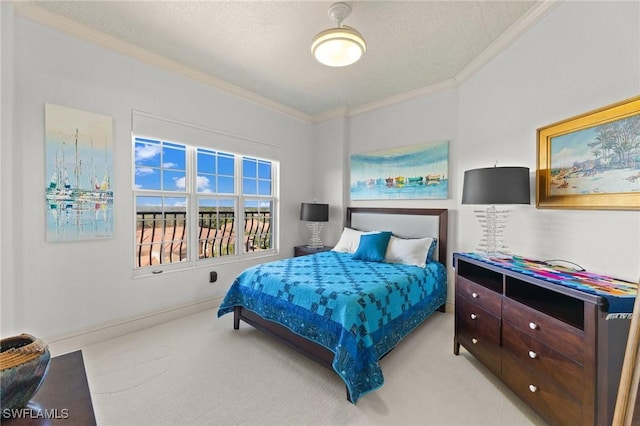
550, 344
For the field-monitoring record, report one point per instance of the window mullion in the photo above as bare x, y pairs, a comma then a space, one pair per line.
192, 205
240, 206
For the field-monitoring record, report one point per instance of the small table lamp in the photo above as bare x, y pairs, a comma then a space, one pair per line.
314, 214
495, 185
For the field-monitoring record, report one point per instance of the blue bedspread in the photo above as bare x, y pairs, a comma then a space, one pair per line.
358, 310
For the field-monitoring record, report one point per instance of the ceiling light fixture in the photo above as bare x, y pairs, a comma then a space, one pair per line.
341, 46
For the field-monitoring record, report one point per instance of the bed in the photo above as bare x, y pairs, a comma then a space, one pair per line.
345, 309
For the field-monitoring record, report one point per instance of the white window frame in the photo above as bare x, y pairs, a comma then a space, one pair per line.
192, 213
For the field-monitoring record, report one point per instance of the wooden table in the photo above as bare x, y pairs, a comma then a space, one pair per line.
63, 398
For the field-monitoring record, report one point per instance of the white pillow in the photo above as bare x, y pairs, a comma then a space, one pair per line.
408, 251
350, 240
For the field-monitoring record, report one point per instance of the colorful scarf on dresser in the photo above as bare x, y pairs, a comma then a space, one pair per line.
619, 294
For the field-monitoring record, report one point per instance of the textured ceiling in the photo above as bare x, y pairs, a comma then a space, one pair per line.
264, 46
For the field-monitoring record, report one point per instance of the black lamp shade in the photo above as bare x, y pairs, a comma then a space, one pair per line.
496, 185
313, 212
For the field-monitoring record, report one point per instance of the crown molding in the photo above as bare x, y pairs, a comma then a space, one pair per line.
74, 29
386, 102
403, 97
506, 39
339, 112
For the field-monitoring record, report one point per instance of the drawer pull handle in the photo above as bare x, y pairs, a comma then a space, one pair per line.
532, 355
474, 340
533, 388
473, 316
474, 295
533, 326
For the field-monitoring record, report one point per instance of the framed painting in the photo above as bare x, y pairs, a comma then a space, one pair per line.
78, 169
591, 161
410, 172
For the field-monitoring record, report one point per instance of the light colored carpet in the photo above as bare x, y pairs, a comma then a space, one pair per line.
199, 371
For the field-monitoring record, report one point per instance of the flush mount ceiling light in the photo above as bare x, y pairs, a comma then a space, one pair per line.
341, 46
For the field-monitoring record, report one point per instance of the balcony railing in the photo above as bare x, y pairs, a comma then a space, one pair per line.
162, 237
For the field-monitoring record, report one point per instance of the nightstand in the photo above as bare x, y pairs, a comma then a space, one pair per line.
304, 250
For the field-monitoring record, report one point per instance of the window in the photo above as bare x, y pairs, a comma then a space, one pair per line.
257, 190
228, 198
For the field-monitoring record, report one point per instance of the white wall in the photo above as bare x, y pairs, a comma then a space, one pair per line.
424, 120
60, 288
329, 163
6, 159
582, 56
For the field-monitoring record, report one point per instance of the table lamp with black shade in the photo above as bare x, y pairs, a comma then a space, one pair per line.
314, 214
495, 186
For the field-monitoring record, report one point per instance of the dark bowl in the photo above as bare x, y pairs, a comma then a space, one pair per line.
24, 361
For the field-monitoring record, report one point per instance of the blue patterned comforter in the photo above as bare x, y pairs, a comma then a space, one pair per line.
358, 310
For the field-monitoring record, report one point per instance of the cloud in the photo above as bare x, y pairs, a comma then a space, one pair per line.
202, 184
169, 165
143, 171
566, 157
181, 182
145, 152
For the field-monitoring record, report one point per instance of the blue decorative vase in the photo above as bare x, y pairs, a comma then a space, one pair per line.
24, 361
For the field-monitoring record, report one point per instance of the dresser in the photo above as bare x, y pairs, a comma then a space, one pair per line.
550, 344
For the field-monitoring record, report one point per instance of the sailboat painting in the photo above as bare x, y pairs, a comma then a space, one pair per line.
410, 172
78, 156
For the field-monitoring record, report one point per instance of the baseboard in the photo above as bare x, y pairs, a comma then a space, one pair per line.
450, 307
63, 344
77, 340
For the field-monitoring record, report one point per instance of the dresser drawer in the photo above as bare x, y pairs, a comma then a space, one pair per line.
542, 395
481, 296
544, 361
565, 338
479, 332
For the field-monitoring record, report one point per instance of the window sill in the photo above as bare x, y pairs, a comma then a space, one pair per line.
188, 266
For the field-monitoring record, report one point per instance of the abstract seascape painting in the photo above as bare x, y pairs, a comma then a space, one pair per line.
78, 162
410, 172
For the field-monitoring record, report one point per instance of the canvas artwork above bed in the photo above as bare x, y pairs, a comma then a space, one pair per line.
348, 307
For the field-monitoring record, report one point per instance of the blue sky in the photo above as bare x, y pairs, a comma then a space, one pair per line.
405, 161
88, 160
162, 166
572, 147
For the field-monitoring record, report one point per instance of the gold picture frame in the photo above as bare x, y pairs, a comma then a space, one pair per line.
591, 161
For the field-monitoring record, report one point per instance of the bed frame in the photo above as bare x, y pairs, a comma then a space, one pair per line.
404, 222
